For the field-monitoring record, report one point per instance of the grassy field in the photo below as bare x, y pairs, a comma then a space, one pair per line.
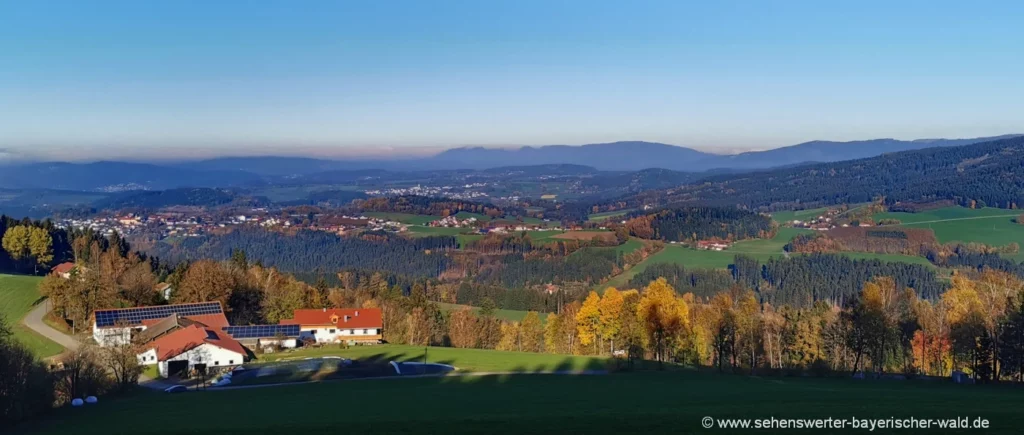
673, 402
423, 231
761, 249
513, 315
991, 226
465, 360
543, 236
18, 294
596, 217
405, 218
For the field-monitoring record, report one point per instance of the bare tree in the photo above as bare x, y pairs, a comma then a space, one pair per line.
81, 375
122, 362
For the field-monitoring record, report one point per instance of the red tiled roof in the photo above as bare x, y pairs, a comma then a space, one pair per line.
65, 267
215, 321
356, 318
185, 339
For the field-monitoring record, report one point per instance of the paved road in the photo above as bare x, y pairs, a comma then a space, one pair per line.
34, 321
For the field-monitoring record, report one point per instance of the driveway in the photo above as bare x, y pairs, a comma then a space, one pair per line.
34, 321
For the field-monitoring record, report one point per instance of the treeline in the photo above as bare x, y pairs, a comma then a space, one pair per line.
427, 206
964, 256
799, 281
690, 224
907, 241
883, 328
192, 196
318, 251
585, 265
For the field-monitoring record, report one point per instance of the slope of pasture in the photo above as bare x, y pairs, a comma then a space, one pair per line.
405, 218
761, 249
425, 231
597, 217
991, 226
512, 315
465, 360
648, 402
791, 215
18, 295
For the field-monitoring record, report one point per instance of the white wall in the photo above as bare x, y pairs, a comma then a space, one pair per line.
112, 336
324, 335
148, 357
212, 356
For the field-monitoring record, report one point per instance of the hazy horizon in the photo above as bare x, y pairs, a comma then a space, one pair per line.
186, 154
132, 81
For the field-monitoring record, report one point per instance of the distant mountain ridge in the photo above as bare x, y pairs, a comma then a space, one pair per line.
634, 156
566, 159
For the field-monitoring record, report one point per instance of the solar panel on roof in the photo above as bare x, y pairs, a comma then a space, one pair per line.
262, 331
135, 316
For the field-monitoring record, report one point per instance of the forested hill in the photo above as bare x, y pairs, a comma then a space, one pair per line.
984, 174
311, 251
699, 223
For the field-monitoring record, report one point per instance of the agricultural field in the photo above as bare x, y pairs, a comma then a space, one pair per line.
671, 402
18, 294
512, 315
761, 249
467, 215
405, 218
991, 226
597, 217
543, 236
465, 360
586, 235
425, 231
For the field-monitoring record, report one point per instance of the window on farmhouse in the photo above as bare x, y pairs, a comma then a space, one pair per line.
332, 331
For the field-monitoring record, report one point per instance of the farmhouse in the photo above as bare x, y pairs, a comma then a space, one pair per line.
336, 325
63, 270
710, 245
120, 326
188, 347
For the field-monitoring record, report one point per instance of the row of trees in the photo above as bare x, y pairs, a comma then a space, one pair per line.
976, 327
798, 281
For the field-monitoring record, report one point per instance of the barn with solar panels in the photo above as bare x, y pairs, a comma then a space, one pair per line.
119, 326
265, 336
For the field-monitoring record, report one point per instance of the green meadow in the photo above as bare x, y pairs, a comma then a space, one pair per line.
991, 226
650, 402
18, 295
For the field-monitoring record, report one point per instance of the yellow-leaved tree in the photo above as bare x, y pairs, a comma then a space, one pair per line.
588, 321
610, 309
664, 317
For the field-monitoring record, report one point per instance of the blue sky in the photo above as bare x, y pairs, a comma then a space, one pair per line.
101, 79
